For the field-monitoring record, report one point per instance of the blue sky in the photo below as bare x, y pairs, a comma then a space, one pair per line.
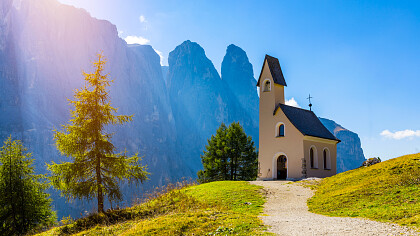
360, 60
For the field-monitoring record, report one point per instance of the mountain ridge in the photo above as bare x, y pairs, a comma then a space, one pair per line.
349, 150
45, 45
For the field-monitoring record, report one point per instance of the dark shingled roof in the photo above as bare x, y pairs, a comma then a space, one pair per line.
306, 122
275, 69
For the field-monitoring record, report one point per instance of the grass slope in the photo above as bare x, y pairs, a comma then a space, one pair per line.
207, 209
388, 191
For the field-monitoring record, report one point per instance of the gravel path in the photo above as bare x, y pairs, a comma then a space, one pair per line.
287, 214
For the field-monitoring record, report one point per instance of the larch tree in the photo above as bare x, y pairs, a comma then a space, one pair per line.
229, 155
24, 203
96, 169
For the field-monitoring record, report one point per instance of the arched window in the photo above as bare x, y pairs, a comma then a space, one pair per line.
280, 129
327, 159
267, 86
313, 158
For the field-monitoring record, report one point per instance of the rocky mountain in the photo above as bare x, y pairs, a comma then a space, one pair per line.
44, 46
165, 70
200, 101
237, 73
10, 111
349, 150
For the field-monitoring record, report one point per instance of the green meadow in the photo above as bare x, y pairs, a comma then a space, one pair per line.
388, 191
216, 208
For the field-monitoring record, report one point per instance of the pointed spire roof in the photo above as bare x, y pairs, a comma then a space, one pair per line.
275, 70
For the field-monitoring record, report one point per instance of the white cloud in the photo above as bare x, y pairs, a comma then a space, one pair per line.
292, 102
401, 134
136, 40
142, 19
161, 57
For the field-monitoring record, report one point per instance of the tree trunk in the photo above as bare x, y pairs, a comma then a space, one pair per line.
99, 185
11, 194
231, 168
235, 164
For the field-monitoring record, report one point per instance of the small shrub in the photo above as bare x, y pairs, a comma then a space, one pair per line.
66, 220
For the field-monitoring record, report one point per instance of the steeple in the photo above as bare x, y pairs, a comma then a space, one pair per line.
275, 69
271, 81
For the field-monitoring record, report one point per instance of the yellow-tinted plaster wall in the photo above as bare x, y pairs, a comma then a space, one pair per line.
319, 145
270, 146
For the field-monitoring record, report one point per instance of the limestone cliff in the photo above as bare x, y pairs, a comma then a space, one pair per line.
200, 100
349, 150
44, 47
237, 73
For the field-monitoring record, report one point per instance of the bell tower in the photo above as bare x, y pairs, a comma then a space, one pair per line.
271, 82
271, 85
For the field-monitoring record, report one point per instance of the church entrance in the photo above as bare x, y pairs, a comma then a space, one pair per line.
282, 167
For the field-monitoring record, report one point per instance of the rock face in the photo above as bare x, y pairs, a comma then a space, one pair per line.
10, 100
200, 100
44, 46
237, 73
349, 150
165, 70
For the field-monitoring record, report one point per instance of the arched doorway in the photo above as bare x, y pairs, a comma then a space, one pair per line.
282, 167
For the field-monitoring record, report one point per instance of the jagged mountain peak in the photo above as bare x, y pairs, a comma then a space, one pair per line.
238, 75
190, 53
236, 68
235, 52
187, 47
189, 60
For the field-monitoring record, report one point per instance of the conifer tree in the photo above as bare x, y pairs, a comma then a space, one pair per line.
229, 155
214, 159
24, 204
96, 169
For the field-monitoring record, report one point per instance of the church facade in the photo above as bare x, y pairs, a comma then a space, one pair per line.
293, 143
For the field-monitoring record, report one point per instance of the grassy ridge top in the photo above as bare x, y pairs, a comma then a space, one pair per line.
208, 209
388, 191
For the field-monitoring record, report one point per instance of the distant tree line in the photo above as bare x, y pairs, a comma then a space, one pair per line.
230, 155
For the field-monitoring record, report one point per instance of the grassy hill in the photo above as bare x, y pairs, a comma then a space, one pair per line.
388, 191
209, 209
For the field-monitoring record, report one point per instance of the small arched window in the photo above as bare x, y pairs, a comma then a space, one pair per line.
267, 85
327, 159
313, 158
280, 129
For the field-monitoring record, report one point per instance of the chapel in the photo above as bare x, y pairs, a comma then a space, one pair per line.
293, 143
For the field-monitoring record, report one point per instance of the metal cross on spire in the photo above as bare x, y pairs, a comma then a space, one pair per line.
310, 104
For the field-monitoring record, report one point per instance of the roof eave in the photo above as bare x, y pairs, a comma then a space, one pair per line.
323, 138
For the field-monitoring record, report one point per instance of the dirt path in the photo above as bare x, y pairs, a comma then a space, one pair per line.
287, 214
